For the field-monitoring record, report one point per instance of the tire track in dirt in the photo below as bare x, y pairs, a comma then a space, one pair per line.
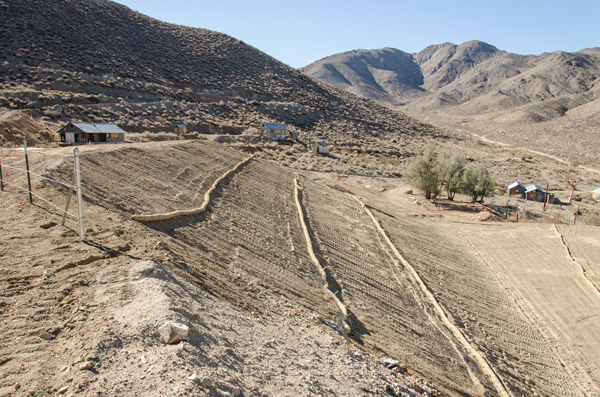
583, 271
434, 321
323, 275
535, 319
194, 211
550, 156
475, 354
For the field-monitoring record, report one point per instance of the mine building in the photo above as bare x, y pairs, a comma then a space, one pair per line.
181, 129
293, 135
275, 131
321, 147
596, 194
537, 193
516, 189
90, 133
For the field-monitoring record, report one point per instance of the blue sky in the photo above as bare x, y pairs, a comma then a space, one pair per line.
301, 32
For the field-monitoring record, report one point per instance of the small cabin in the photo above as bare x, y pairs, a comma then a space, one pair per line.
516, 189
275, 131
537, 193
293, 135
321, 147
181, 129
74, 133
596, 194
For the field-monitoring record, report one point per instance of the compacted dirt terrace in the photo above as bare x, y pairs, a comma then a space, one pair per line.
477, 308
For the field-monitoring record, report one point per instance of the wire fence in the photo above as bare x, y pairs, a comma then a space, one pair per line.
31, 170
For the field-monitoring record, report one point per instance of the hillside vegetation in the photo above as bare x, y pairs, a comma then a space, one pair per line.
100, 61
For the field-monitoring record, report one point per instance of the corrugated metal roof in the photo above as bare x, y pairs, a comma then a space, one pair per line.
515, 184
323, 143
597, 191
532, 188
98, 128
181, 125
275, 126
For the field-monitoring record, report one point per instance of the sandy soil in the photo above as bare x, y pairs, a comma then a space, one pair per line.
476, 307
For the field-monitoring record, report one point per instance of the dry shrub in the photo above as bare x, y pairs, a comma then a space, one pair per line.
593, 219
526, 214
557, 220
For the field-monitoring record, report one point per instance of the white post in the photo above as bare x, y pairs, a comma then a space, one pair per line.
79, 197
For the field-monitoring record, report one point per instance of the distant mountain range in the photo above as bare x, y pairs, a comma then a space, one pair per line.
472, 78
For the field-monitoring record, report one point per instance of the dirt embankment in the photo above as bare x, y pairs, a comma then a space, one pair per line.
240, 274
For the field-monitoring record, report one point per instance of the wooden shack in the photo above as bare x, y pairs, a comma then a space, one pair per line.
181, 129
516, 189
90, 133
275, 131
321, 147
537, 193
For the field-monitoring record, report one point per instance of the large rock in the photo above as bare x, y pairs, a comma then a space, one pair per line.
171, 332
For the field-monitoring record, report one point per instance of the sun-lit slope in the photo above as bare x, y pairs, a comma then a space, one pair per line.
560, 298
474, 308
389, 310
100, 61
466, 268
584, 247
252, 229
153, 178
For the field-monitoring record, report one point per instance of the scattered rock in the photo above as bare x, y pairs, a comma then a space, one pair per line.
48, 272
171, 332
390, 362
63, 390
160, 245
237, 391
48, 225
193, 376
206, 381
87, 365
46, 335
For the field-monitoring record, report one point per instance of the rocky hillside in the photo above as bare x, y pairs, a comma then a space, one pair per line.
97, 60
471, 78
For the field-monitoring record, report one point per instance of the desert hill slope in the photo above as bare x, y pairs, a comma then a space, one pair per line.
469, 310
100, 61
475, 87
452, 75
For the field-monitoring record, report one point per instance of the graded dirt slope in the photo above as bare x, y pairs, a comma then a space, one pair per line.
492, 308
559, 299
107, 297
384, 299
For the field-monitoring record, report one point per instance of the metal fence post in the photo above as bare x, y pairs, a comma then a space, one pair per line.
1, 180
27, 168
79, 196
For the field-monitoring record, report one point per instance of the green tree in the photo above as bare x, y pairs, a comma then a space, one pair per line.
477, 183
450, 169
422, 173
